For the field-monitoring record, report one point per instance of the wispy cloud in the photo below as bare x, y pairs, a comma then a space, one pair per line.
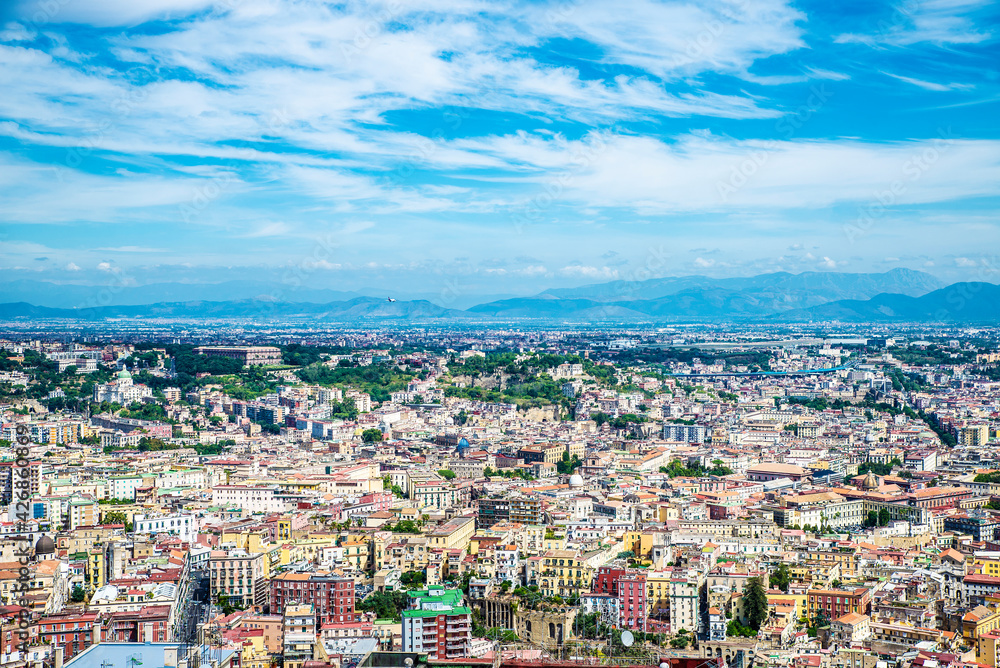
203, 132
929, 85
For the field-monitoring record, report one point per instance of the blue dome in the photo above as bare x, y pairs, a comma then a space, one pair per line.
463, 442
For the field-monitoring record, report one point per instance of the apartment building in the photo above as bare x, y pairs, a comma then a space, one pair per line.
331, 597
437, 624
238, 576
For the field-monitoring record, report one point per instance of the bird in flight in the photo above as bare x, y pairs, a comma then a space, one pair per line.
389, 299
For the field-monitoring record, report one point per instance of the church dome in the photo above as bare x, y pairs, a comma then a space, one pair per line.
45, 545
870, 482
576, 480
124, 375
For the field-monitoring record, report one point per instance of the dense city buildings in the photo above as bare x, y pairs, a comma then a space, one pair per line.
378, 498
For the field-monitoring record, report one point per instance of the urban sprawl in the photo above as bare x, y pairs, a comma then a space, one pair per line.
386, 497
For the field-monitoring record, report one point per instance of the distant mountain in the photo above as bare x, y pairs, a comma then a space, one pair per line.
961, 302
774, 297
60, 295
43, 293
702, 297
830, 285
354, 309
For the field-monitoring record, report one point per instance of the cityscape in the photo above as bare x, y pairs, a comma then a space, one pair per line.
499, 334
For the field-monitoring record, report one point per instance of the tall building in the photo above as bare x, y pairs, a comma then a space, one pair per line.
628, 586
685, 603
437, 624
521, 510
239, 576
331, 597
298, 636
690, 433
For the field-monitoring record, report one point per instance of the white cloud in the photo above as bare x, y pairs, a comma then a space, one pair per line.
72, 266
677, 39
15, 32
533, 270
941, 22
110, 12
929, 85
270, 229
707, 173
589, 271
309, 264
702, 262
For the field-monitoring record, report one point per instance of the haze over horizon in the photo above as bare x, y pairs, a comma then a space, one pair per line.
495, 148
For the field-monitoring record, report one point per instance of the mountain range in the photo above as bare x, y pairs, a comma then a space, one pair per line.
72, 296
896, 295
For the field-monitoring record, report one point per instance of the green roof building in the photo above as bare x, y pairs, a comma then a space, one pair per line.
437, 624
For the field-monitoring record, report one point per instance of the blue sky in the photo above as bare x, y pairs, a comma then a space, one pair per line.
496, 147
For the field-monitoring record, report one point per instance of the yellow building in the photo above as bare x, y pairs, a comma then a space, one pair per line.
986, 648
848, 560
253, 542
798, 601
358, 554
639, 543
95, 576
979, 621
455, 534
658, 592
974, 435
564, 573
255, 654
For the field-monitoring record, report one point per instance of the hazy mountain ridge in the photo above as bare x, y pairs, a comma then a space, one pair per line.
699, 296
776, 297
836, 285
70, 296
358, 308
963, 302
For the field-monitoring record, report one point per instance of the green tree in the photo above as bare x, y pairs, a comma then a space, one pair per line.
600, 418
734, 628
413, 579
385, 605
781, 577
756, 603
884, 517
79, 594
118, 517
371, 435
447, 474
